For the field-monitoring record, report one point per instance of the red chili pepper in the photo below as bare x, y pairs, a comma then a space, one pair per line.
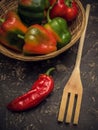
39, 91
67, 9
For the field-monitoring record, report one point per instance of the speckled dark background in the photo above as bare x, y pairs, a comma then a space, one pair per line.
16, 78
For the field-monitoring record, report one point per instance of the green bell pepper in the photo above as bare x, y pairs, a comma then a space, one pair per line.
59, 28
32, 11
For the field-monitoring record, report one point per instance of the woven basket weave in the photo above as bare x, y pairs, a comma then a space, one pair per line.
76, 29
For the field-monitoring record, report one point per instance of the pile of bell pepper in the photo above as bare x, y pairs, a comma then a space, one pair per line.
38, 26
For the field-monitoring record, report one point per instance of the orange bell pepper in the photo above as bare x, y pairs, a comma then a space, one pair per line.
39, 40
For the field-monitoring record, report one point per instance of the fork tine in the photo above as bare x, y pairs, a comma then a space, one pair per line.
63, 106
77, 110
70, 108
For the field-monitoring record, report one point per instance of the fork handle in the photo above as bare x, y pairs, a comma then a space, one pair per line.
81, 43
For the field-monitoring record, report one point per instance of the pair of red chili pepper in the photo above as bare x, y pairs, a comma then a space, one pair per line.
67, 9
39, 91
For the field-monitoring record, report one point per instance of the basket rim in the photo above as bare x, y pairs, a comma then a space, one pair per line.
7, 52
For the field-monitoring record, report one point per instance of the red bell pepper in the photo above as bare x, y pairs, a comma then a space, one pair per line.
67, 9
71, 10
42, 87
10, 28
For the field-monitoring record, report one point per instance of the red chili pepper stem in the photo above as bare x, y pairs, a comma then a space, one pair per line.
49, 71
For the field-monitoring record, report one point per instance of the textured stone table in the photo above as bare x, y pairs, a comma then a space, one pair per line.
16, 78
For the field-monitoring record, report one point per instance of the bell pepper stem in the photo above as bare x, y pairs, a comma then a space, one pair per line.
48, 12
20, 36
49, 70
68, 3
2, 20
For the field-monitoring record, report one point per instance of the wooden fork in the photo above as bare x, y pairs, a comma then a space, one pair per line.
73, 90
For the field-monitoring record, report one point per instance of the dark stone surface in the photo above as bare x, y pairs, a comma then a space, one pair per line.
16, 78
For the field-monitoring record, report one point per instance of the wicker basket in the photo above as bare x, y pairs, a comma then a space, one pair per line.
76, 28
